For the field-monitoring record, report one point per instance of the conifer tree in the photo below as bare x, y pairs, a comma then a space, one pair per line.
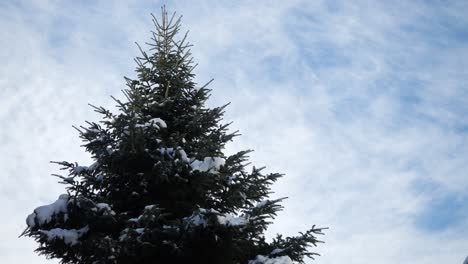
160, 189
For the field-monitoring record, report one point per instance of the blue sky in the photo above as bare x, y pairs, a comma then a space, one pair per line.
362, 104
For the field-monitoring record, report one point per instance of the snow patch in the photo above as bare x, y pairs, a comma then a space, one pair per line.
103, 206
168, 151
159, 122
209, 164
69, 236
81, 169
150, 207
231, 220
124, 234
43, 214
155, 122
183, 155
276, 251
266, 260
200, 218
262, 203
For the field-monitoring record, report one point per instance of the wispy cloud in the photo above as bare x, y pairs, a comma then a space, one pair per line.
361, 104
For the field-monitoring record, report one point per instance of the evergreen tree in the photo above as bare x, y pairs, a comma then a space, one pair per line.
161, 190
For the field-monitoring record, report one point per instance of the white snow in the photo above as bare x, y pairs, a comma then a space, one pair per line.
209, 164
266, 260
155, 122
79, 169
43, 214
199, 218
262, 203
159, 122
110, 150
149, 207
69, 236
124, 234
103, 206
232, 179
183, 155
276, 251
231, 220
168, 151
145, 214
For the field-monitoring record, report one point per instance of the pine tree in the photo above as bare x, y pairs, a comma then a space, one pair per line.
161, 190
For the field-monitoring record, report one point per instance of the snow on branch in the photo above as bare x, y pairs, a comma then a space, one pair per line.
202, 218
260, 259
209, 164
44, 214
157, 123
69, 236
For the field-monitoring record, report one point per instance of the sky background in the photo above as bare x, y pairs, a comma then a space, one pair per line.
362, 104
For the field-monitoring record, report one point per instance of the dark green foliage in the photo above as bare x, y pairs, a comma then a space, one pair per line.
161, 189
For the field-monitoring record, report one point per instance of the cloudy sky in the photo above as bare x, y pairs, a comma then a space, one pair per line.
362, 104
